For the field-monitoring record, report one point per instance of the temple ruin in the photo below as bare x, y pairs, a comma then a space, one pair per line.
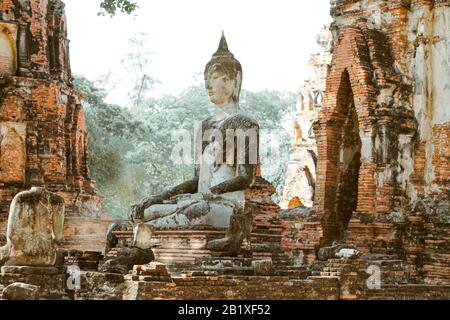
383, 133
43, 137
374, 126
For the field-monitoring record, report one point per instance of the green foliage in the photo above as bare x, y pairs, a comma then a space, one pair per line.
274, 111
111, 6
112, 134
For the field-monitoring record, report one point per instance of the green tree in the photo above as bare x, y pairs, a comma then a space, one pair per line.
274, 112
113, 134
112, 6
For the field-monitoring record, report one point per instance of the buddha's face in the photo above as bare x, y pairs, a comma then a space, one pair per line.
220, 87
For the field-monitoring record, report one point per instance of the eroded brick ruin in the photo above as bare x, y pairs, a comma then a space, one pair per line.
378, 227
43, 137
383, 133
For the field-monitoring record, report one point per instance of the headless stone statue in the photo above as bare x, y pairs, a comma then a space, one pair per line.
226, 165
36, 223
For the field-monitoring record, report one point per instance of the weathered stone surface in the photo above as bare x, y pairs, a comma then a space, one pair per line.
154, 271
144, 236
186, 249
21, 291
239, 229
382, 138
263, 267
51, 286
8, 49
35, 225
347, 253
232, 288
381, 184
87, 260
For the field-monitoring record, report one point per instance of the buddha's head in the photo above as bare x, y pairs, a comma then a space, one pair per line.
223, 76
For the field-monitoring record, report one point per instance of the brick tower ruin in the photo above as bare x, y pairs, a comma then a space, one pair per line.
384, 130
43, 137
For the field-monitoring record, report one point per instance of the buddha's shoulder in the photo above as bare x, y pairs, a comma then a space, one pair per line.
239, 121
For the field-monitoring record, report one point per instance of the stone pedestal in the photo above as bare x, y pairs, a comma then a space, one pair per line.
184, 247
178, 249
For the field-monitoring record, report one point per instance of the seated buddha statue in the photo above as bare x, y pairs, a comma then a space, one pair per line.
226, 165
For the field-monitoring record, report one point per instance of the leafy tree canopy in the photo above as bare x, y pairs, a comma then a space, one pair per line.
112, 6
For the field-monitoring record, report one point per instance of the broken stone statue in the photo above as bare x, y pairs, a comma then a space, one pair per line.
35, 226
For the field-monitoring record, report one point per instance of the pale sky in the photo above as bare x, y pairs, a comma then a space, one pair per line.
272, 39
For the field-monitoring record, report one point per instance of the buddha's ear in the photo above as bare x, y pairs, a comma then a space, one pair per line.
237, 86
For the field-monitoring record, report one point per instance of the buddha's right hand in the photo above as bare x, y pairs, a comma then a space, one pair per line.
136, 213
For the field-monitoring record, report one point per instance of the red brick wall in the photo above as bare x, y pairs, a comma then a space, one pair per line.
350, 75
441, 157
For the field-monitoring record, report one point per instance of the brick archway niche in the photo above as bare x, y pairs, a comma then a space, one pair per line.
345, 135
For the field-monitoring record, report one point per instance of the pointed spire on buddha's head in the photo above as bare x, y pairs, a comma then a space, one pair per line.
222, 50
223, 45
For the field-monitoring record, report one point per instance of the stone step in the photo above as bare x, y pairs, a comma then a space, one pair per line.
336, 264
386, 262
332, 269
244, 271
292, 274
328, 268
286, 262
330, 274
340, 261
295, 268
